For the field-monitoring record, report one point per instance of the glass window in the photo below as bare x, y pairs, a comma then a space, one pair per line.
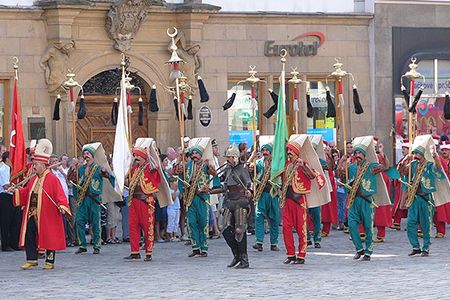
430, 109
241, 122
319, 123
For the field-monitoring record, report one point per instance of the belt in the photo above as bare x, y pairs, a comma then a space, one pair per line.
293, 195
235, 189
140, 196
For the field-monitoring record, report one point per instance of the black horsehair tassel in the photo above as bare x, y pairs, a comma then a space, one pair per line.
153, 101
269, 113
331, 110
56, 116
175, 104
189, 108
356, 103
141, 112
447, 106
82, 110
405, 95
309, 108
204, 97
229, 102
412, 108
115, 111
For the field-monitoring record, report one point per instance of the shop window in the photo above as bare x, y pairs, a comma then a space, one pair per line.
319, 123
240, 120
430, 115
4, 105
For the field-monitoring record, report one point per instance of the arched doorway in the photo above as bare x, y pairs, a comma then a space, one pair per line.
99, 92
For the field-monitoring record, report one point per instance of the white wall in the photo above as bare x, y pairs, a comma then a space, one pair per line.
294, 6
16, 2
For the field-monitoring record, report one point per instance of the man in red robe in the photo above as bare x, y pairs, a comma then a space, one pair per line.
44, 202
442, 212
296, 185
146, 179
399, 210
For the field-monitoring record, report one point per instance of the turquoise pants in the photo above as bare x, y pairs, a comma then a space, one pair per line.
315, 215
198, 224
421, 212
89, 212
267, 207
361, 211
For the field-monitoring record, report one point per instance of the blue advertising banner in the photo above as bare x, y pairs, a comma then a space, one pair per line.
241, 136
328, 134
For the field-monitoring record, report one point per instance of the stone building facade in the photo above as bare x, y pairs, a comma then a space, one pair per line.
88, 37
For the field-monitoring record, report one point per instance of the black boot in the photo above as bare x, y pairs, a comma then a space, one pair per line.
358, 254
234, 262
289, 259
258, 247
415, 252
80, 250
317, 245
299, 261
244, 264
194, 253
366, 258
133, 256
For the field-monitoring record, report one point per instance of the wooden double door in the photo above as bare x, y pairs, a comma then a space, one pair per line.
97, 126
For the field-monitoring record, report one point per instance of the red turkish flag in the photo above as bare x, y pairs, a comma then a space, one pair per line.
17, 143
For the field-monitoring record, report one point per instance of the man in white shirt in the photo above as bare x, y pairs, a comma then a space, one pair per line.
6, 206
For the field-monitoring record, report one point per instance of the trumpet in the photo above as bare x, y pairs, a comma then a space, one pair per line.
26, 179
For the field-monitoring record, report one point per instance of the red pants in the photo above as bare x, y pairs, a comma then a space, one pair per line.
440, 227
141, 217
294, 216
326, 226
399, 215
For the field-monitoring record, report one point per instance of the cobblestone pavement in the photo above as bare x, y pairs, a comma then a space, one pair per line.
329, 272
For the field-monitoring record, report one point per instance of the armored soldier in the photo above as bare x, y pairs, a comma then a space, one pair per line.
237, 185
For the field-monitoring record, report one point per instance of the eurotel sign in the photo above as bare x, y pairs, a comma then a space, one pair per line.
305, 44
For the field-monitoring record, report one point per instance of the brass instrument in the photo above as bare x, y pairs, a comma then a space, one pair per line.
356, 183
26, 179
261, 184
134, 182
412, 189
189, 193
79, 187
289, 177
83, 189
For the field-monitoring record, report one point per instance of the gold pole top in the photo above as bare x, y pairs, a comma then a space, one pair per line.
252, 79
413, 73
16, 66
338, 72
295, 79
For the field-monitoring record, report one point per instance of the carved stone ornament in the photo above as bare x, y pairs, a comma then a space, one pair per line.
125, 19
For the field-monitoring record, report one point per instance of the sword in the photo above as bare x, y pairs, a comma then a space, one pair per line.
350, 187
53, 201
87, 194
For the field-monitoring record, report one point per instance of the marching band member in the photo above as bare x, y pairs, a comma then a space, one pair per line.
429, 187
44, 203
196, 193
146, 180
267, 207
302, 189
88, 191
365, 190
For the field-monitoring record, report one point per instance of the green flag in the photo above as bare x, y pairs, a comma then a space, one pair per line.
281, 133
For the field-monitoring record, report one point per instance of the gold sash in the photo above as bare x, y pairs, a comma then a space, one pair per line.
290, 175
134, 182
263, 182
356, 184
417, 178
82, 192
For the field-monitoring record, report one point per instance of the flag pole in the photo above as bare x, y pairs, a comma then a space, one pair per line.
181, 86
71, 84
253, 80
412, 75
295, 81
